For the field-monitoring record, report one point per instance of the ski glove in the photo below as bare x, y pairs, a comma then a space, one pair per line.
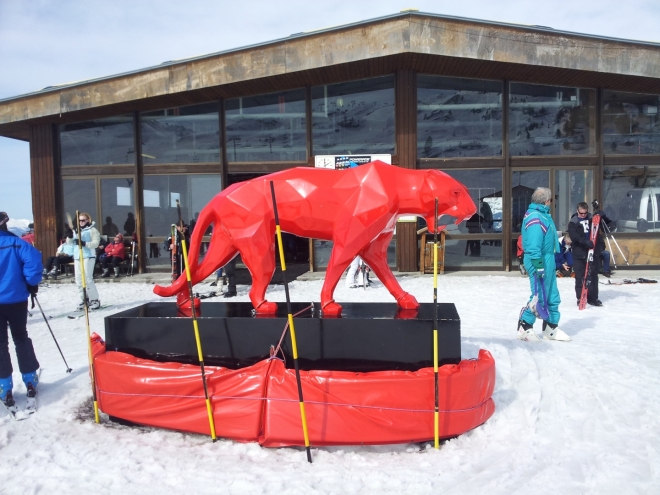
538, 265
33, 289
589, 244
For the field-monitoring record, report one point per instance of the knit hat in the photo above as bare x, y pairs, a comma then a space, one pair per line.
121, 237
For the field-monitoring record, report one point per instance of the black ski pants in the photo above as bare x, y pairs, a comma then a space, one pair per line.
106, 260
15, 315
230, 272
579, 267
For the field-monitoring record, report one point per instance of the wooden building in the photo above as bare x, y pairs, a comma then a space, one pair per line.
503, 108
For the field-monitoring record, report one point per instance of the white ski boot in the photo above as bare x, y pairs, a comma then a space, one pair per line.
526, 332
553, 332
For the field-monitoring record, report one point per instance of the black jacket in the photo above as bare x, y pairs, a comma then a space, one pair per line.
579, 230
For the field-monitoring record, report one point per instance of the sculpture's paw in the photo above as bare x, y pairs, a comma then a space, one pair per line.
266, 308
331, 309
407, 301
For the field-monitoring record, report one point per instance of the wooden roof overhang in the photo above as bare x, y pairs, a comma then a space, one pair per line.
425, 43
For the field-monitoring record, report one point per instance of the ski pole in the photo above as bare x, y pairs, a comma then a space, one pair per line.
436, 412
90, 356
609, 245
294, 346
68, 370
198, 341
173, 251
609, 234
133, 245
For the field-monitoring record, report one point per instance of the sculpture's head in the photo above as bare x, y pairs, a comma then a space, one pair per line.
454, 201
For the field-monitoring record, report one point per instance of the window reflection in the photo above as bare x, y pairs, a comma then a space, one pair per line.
630, 123
551, 120
485, 187
160, 195
98, 142
181, 135
117, 207
458, 117
523, 185
571, 188
267, 127
632, 198
354, 117
79, 194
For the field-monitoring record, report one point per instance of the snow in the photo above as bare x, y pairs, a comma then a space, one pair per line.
18, 227
571, 418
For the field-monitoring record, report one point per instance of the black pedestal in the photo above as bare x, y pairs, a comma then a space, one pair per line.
367, 337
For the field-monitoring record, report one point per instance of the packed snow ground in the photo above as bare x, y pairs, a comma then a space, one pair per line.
573, 418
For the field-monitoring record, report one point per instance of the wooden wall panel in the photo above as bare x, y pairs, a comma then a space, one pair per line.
44, 188
406, 149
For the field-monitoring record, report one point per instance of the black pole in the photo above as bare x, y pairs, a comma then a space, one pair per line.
294, 345
68, 370
198, 341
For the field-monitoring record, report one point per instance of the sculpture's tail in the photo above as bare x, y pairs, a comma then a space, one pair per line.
197, 272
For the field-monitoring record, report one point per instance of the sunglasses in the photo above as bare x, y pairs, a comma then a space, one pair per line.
582, 213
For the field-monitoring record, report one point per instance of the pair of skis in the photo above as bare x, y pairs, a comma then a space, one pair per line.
586, 281
30, 406
536, 306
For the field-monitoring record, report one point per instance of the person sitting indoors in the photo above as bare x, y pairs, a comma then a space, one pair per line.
564, 258
29, 235
115, 254
63, 255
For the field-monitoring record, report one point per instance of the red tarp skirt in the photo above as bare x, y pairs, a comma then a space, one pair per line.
260, 402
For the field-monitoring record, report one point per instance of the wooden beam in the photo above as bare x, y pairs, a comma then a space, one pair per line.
44, 189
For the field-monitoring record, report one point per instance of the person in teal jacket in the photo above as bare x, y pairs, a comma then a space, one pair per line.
539, 239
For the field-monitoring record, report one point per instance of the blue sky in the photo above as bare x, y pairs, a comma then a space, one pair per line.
43, 43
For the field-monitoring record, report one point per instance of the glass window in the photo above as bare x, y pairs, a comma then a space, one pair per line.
485, 188
551, 120
79, 194
631, 198
458, 117
161, 192
523, 185
571, 188
630, 123
181, 135
117, 207
323, 249
98, 142
267, 127
354, 117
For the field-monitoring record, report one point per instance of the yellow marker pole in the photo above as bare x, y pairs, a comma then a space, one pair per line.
294, 346
89, 335
436, 414
198, 341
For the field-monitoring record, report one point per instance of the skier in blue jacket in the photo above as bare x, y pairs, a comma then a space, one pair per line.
20, 274
540, 242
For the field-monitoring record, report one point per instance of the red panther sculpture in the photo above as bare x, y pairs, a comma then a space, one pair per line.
356, 208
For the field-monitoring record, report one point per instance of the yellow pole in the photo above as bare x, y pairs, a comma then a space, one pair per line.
294, 346
198, 341
90, 357
436, 413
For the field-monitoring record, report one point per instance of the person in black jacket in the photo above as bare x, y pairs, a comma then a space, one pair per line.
579, 230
